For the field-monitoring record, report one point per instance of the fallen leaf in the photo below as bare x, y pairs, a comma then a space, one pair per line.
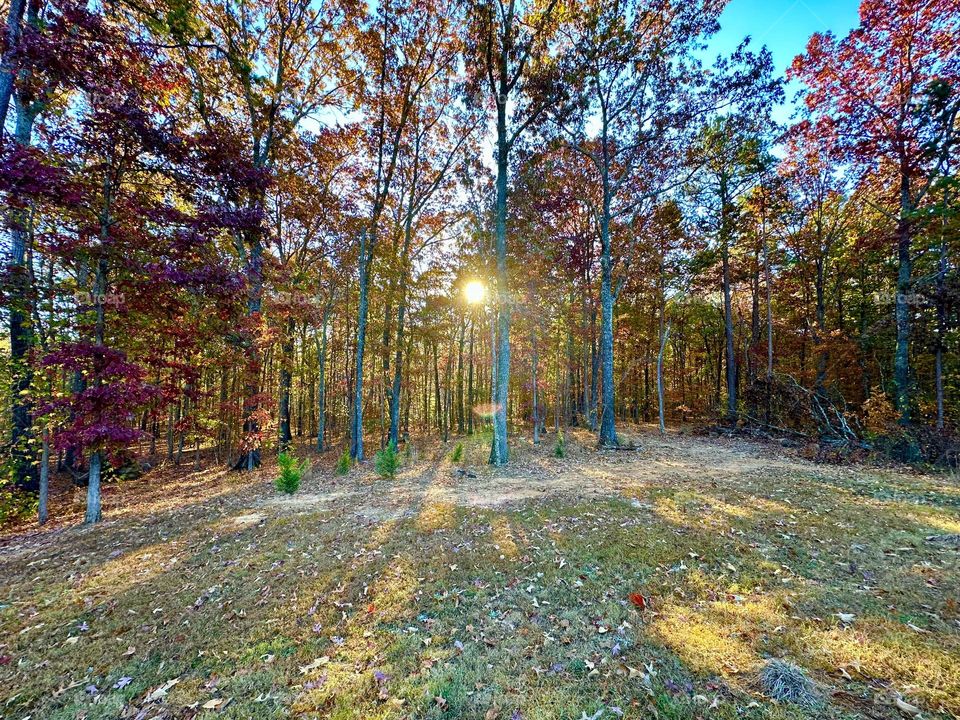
161, 692
906, 708
319, 662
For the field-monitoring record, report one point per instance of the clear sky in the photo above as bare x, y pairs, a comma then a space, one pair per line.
783, 26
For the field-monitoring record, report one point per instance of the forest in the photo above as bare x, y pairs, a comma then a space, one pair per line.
497, 252
231, 226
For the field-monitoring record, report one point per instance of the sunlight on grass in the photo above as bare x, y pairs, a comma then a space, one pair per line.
876, 649
667, 509
703, 643
445, 611
502, 536
436, 515
931, 518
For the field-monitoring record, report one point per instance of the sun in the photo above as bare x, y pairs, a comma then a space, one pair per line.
474, 291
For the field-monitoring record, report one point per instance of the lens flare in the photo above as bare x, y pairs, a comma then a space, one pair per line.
474, 291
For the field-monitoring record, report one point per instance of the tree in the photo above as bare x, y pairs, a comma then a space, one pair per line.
816, 196
508, 50
729, 156
406, 48
42, 54
866, 89
632, 59
258, 72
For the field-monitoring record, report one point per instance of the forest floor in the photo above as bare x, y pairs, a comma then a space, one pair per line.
655, 583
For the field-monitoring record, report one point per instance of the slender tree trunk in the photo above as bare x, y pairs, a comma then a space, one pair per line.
251, 423
170, 412
587, 355
93, 511
396, 386
608, 432
407, 401
821, 312
8, 65
664, 337
941, 325
322, 380
436, 388
470, 382
536, 404
286, 380
594, 369
182, 412
901, 363
728, 329
769, 299
459, 392
499, 451
44, 478
21, 306
363, 308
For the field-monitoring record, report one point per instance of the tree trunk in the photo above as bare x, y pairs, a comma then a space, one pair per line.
901, 363
436, 388
499, 451
459, 393
21, 306
251, 423
587, 354
594, 369
941, 303
821, 310
286, 379
664, 337
94, 512
769, 300
8, 65
321, 381
396, 386
536, 405
728, 332
363, 308
608, 432
470, 382
44, 478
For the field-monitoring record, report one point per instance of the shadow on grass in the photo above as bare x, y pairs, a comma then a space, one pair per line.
462, 612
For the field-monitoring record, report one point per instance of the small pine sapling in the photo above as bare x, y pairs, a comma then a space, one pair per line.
457, 454
343, 464
291, 472
387, 461
560, 449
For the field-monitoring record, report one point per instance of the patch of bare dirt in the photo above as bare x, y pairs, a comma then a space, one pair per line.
534, 473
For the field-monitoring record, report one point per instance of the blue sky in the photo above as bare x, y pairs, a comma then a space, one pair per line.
783, 26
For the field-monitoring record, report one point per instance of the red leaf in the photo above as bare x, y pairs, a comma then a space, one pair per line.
641, 602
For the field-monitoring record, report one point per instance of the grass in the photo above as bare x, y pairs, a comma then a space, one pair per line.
456, 611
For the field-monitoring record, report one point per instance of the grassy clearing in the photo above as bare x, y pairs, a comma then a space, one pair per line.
387, 599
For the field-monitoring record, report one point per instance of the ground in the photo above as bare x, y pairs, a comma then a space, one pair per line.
651, 583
